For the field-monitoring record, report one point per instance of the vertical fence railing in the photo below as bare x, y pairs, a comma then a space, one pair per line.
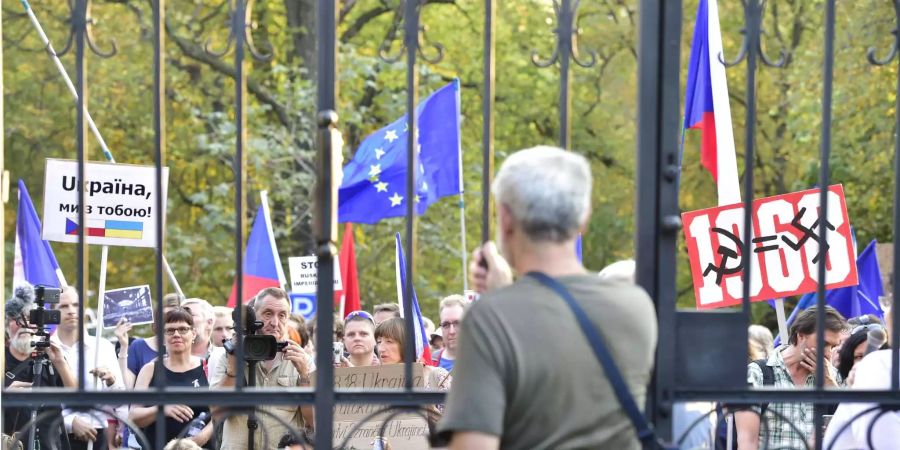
895, 279
325, 220
159, 145
487, 116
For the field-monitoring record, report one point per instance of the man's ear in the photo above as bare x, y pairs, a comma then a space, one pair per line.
506, 221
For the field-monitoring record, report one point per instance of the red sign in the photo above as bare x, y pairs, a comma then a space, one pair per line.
785, 248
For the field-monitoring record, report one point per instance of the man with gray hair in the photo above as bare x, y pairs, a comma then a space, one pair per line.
204, 318
524, 376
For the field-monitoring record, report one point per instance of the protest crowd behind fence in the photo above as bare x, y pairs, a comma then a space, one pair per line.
532, 349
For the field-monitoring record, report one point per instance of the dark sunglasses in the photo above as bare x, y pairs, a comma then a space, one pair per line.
360, 313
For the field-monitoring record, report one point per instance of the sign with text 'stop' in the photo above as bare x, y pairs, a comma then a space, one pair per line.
119, 203
785, 243
304, 274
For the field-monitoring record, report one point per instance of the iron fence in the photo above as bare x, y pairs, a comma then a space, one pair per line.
657, 227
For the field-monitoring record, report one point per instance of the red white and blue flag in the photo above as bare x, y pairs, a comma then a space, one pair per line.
262, 265
706, 105
423, 352
34, 261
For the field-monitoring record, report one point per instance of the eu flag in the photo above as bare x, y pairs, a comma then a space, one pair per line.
852, 301
374, 185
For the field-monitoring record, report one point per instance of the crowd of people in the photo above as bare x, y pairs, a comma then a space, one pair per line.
195, 357
518, 365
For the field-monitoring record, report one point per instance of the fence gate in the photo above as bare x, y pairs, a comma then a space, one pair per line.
718, 374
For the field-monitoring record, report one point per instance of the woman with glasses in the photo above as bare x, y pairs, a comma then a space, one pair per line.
182, 369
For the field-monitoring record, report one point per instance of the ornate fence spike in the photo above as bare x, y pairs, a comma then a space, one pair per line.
384, 50
245, 27
753, 14
566, 32
871, 54
88, 36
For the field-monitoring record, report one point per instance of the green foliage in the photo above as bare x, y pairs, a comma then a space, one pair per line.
200, 129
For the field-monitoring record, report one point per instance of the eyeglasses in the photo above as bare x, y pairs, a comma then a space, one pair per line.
447, 325
360, 313
180, 330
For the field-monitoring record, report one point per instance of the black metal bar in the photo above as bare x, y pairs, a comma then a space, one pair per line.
79, 24
487, 114
411, 37
657, 195
827, 396
259, 396
565, 32
752, 17
240, 176
159, 128
824, 157
325, 217
895, 308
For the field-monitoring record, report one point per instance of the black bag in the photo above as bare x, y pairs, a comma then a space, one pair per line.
722, 412
644, 431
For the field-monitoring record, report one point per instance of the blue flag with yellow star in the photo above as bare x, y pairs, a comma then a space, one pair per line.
374, 185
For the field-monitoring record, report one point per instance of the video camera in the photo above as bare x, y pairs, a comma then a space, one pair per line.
257, 347
41, 317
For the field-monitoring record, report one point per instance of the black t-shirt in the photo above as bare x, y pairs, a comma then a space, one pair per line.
195, 377
50, 428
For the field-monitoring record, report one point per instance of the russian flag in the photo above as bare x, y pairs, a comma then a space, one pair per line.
34, 262
706, 105
262, 265
423, 351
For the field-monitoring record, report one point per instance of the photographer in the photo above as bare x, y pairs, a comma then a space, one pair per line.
20, 374
289, 368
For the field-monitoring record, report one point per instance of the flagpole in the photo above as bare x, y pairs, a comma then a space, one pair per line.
462, 203
782, 322
90, 121
98, 325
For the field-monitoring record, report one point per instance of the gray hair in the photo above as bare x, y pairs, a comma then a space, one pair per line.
547, 191
204, 308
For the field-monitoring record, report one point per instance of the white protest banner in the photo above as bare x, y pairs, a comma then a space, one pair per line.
120, 203
406, 431
785, 245
304, 274
131, 303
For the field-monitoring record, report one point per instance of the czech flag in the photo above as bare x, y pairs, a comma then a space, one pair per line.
262, 265
706, 105
423, 351
34, 262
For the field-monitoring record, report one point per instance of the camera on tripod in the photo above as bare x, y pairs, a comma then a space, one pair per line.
40, 317
257, 347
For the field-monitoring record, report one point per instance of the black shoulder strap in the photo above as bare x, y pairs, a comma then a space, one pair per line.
644, 431
768, 372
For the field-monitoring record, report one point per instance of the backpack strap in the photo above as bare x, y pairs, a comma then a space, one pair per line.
768, 373
620, 388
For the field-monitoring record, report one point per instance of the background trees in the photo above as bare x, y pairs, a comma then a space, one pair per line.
200, 133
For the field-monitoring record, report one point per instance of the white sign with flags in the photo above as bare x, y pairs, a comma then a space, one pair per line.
304, 276
119, 203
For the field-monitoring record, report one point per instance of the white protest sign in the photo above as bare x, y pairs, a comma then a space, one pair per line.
120, 203
304, 274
